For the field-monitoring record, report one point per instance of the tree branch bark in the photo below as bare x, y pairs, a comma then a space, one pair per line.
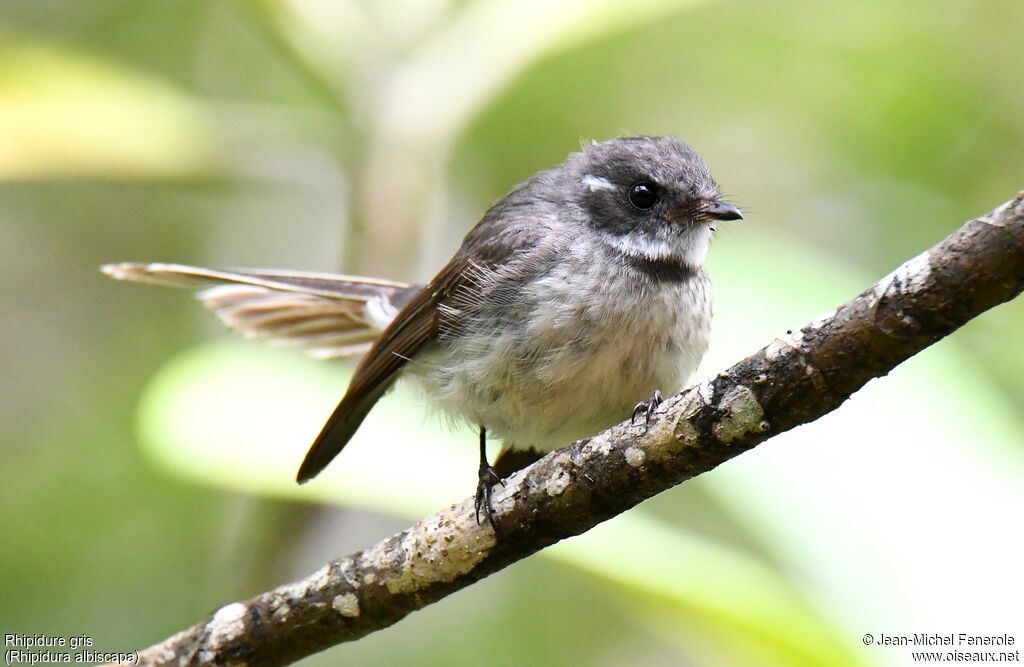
793, 380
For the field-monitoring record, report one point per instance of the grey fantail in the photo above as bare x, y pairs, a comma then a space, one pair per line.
577, 295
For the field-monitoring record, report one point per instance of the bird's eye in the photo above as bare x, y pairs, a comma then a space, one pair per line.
643, 196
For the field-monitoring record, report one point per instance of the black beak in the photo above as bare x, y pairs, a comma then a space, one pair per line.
723, 211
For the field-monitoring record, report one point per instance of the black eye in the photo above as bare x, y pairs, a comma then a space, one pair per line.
643, 196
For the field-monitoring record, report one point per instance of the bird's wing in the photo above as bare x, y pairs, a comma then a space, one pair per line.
414, 326
491, 244
328, 315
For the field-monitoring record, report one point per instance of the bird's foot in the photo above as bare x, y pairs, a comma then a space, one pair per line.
486, 479
646, 408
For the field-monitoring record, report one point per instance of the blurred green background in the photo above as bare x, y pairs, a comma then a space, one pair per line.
148, 457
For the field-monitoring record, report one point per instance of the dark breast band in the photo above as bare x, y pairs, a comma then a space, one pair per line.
662, 270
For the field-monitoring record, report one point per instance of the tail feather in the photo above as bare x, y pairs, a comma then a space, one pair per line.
320, 284
323, 327
327, 315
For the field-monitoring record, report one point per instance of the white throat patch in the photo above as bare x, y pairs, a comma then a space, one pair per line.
691, 247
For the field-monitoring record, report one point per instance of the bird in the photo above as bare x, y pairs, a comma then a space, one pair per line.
571, 305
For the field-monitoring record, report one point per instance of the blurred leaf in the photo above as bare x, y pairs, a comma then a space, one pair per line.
242, 417
743, 610
68, 114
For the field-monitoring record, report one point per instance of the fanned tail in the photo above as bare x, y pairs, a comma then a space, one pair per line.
327, 315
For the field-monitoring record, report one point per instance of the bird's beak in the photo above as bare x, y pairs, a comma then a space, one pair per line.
723, 211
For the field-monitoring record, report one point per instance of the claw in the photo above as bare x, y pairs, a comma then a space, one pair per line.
646, 408
487, 477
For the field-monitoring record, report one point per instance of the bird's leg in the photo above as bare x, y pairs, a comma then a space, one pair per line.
646, 408
486, 479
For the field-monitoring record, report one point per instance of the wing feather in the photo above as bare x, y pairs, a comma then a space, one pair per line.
492, 243
413, 327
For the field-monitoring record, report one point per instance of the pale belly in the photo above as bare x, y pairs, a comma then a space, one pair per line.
564, 370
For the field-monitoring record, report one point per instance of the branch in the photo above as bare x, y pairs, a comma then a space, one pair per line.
795, 379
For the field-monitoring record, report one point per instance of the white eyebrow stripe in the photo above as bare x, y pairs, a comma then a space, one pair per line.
596, 182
